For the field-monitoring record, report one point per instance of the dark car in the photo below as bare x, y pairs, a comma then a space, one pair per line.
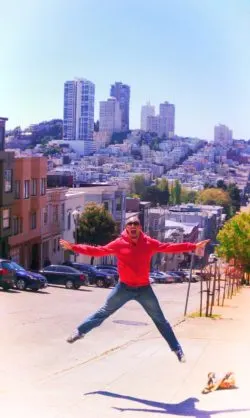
64, 275
100, 278
161, 277
109, 269
7, 277
177, 277
25, 279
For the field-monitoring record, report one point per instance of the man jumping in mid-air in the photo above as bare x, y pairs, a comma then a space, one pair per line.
133, 250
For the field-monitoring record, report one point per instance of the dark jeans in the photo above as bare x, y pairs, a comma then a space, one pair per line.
120, 295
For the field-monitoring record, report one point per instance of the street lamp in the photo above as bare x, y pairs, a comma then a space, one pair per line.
76, 216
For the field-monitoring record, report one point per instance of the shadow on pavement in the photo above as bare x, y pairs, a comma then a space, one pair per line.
9, 292
186, 408
83, 289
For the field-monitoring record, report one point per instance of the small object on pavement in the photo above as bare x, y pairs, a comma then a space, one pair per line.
219, 381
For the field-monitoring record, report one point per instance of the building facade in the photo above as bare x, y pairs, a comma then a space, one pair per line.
78, 114
122, 93
29, 201
110, 116
6, 192
53, 220
146, 111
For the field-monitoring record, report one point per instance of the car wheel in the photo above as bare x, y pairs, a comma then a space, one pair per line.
100, 283
69, 284
20, 284
107, 285
77, 286
6, 288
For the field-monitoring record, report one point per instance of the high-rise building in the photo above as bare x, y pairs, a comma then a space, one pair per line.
146, 111
223, 135
2, 133
78, 115
6, 192
110, 116
167, 112
122, 93
156, 124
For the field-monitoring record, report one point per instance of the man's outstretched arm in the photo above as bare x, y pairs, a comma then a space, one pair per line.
165, 247
90, 250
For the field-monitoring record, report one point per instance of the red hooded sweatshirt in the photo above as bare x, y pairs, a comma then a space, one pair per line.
133, 258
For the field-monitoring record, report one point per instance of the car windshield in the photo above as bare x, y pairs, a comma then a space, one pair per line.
11, 265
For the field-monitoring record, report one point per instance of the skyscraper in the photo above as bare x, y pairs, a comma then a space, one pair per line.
167, 112
122, 93
2, 133
146, 111
223, 135
78, 115
110, 116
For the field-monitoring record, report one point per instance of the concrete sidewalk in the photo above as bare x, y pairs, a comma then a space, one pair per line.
143, 378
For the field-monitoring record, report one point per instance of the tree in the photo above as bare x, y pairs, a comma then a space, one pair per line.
234, 193
214, 196
221, 185
177, 192
234, 240
188, 196
138, 185
157, 194
96, 226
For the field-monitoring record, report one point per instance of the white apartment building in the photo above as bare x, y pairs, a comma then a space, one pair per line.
111, 197
110, 116
78, 115
223, 135
146, 111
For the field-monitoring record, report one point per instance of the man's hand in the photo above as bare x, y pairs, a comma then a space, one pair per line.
66, 245
200, 247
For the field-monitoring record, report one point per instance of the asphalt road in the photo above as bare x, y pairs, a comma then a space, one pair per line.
34, 327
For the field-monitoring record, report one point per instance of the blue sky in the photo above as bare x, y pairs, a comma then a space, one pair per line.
194, 53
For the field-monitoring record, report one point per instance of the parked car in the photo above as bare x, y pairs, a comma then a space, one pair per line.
109, 269
64, 275
161, 277
7, 277
178, 278
25, 279
100, 278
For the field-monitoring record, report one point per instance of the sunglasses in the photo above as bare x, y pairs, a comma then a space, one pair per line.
136, 223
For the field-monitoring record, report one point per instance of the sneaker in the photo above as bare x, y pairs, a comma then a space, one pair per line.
180, 355
74, 336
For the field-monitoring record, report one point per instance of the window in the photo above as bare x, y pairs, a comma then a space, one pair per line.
106, 205
7, 181
43, 187
55, 214
118, 204
45, 216
69, 221
16, 226
26, 189
6, 218
33, 187
17, 189
33, 220
62, 212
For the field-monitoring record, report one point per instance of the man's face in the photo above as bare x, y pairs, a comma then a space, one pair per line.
133, 228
